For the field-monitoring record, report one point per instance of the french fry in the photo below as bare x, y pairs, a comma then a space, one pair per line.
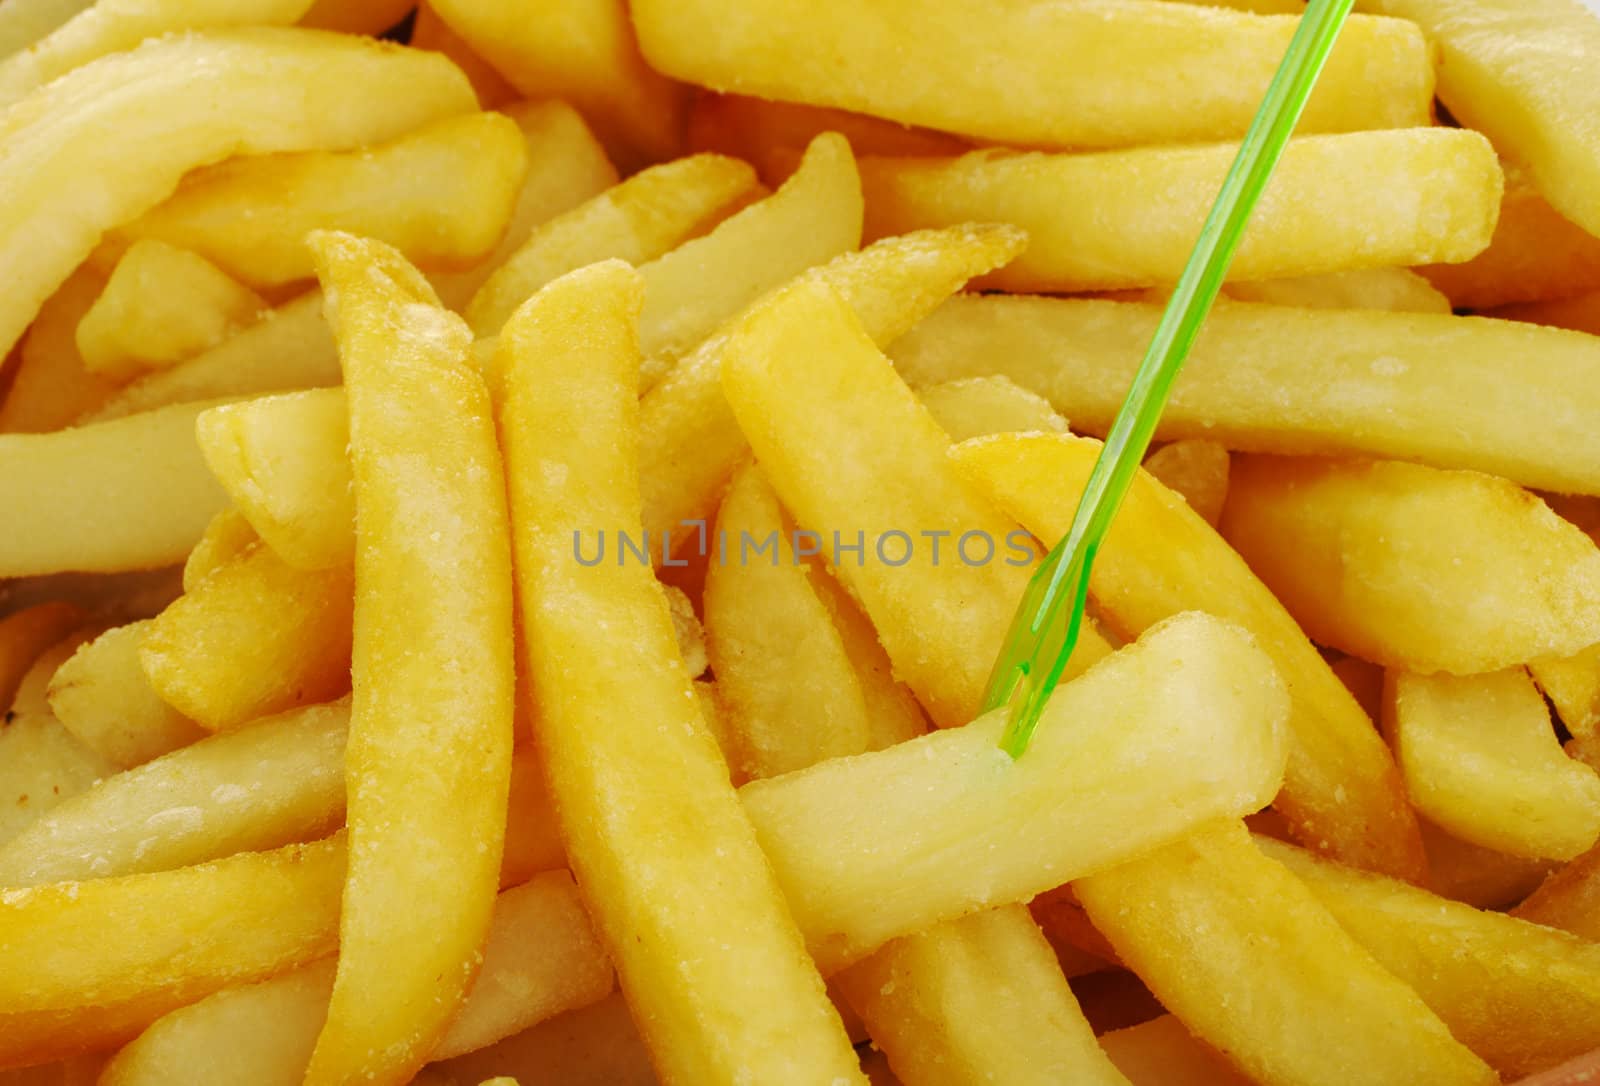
688, 437
1136, 73
1481, 759
1413, 567
1118, 219
23, 22
597, 1045
639, 220
689, 292
979, 406
256, 637
600, 645
1287, 994
114, 26
1196, 471
1342, 791
1477, 876
582, 52
90, 964
260, 787
1522, 996
1580, 314
541, 958
1536, 253
946, 824
51, 386
1572, 683
1569, 899
428, 31
274, 90
687, 630
429, 761
226, 537
161, 305
101, 695
443, 194
851, 452
123, 495
24, 637
282, 460
893, 714
41, 763
1161, 1052
356, 16
1398, 290
1273, 379
1507, 71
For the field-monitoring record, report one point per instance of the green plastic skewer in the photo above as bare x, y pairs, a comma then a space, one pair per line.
1041, 639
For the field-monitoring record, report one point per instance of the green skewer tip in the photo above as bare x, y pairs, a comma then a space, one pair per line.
1041, 638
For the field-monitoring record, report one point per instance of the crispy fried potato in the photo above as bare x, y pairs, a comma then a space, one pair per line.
1273, 379
893, 714
429, 761
1522, 996
850, 451
1161, 1052
102, 696
267, 90
596, 1045
24, 637
356, 16
1196, 471
1120, 219
1398, 290
227, 537
23, 22
1342, 791
443, 194
639, 220
428, 31
161, 305
254, 638
1279, 987
1135, 72
1477, 876
600, 646
1568, 899
52, 386
123, 495
1572, 683
979, 406
882, 844
1413, 567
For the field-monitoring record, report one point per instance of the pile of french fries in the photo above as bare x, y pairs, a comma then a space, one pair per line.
507, 510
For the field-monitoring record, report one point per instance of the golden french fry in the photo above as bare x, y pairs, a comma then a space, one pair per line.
114, 26
1118, 219
129, 494
689, 440
893, 714
980, 406
1275, 379
639, 220
1572, 683
541, 958
1522, 996
862, 465
1413, 567
1342, 791
256, 637
101, 695
356, 16
227, 537
1568, 899
582, 52
596, 1045
428, 31
600, 646
1287, 994
23, 22
429, 762
1477, 876
1161, 1052
1398, 290
1196, 471
161, 305
443, 194
1507, 70
687, 630
52, 386
1135, 72
1481, 759
268, 89
260, 787
24, 637
282, 460
883, 844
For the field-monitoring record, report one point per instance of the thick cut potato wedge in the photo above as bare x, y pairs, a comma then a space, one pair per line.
1162, 1052
863, 465
1119, 219
52, 387
893, 714
1342, 791
1522, 996
1568, 899
227, 537
1135, 72
267, 90
1273, 379
1398, 290
443, 194
1413, 567
24, 637
980, 406
429, 760
639, 220
123, 495
256, 637
103, 697
1185, 726
428, 31
1572, 683
161, 305
1196, 471
1481, 759
656, 837
1477, 876
1251, 962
